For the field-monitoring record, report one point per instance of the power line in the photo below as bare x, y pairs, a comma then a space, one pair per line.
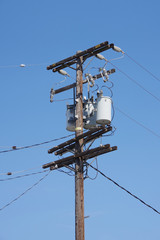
145, 69
88, 63
86, 170
38, 144
69, 173
8, 204
23, 65
20, 171
137, 83
34, 145
138, 123
21, 176
125, 190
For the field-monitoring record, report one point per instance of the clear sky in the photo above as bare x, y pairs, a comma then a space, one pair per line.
38, 33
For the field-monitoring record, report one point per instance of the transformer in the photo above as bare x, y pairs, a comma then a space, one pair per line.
95, 113
70, 115
104, 105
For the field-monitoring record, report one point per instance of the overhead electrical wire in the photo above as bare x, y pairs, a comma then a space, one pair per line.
89, 165
118, 49
21, 176
88, 63
38, 144
22, 194
113, 59
59, 83
125, 114
86, 170
145, 69
65, 79
23, 65
14, 148
124, 53
137, 83
101, 57
138, 123
20, 171
69, 173
111, 133
5, 146
124, 189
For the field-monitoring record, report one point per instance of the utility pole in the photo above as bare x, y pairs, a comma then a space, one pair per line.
79, 184
76, 144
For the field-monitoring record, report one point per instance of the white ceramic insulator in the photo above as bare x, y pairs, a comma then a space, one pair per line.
117, 49
99, 56
63, 72
22, 65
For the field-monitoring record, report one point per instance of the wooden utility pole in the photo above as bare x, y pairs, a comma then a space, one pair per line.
79, 183
76, 144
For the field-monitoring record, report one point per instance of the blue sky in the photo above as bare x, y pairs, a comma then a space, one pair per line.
38, 33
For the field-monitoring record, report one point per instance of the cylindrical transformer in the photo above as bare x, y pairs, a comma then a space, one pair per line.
70, 115
104, 105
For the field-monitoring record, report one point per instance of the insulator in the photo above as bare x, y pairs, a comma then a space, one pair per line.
92, 83
117, 49
84, 98
52, 92
99, 56
91, 80
63, 72
105, 74
22, 65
